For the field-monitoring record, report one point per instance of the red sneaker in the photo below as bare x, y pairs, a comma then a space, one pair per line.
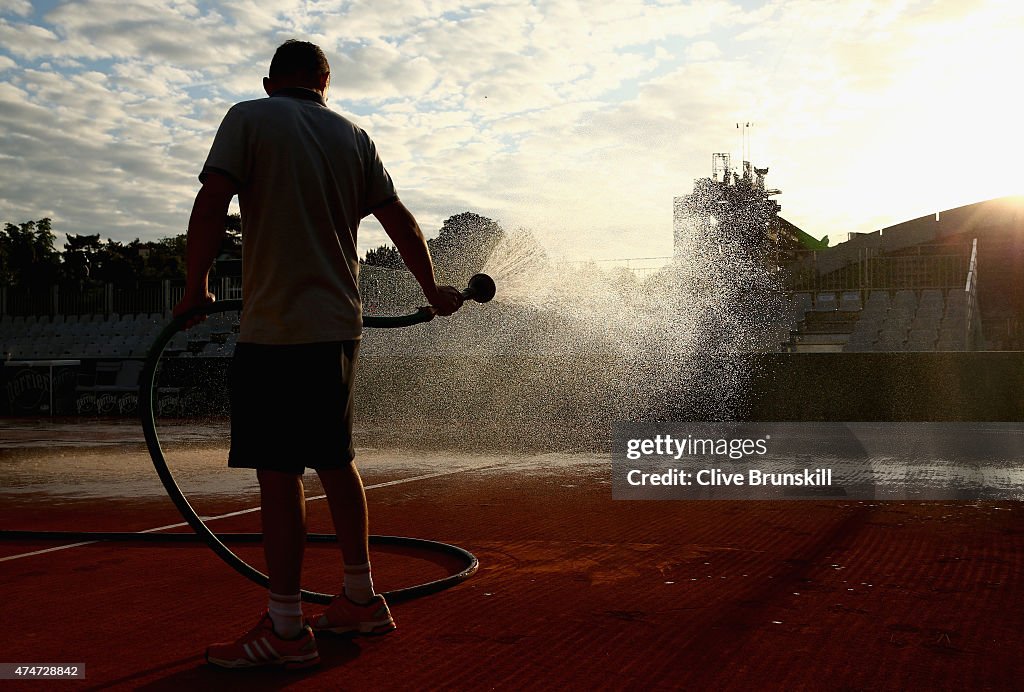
344, 616
261, 646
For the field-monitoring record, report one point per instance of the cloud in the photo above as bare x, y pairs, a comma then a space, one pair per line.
579, 119
16, 7
700, 51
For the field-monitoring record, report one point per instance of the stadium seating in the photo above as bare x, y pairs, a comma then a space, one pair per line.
877, 303
952, 339
908, 321
905, 302
921, 340
113, 337
891, 338
800, 305
826, 302
849, 301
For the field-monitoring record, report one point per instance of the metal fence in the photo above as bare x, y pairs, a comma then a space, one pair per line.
869, 272
90, 299
384, 289
640, 267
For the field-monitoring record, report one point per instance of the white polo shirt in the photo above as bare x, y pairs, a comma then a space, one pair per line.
306, 176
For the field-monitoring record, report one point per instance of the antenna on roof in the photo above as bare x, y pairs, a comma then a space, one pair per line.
744, 139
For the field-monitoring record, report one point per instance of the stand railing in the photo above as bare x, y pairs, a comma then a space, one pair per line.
972, 325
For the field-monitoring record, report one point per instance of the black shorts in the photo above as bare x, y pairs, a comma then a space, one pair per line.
292, 406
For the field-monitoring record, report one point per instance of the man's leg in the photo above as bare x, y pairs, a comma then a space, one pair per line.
358, 610
283, 510
347, 499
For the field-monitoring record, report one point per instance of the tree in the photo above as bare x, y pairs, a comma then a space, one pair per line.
119, 263
79, 256
165, 258
232, 245
27, 255
384, 256
464, 244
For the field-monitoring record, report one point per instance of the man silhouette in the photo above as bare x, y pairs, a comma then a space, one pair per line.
304, 176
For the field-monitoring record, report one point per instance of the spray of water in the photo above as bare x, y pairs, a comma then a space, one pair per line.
566, 349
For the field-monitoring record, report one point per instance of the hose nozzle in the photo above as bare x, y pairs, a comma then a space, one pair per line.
481, 288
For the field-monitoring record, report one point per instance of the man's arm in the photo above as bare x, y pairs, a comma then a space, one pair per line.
401, 227
205, 235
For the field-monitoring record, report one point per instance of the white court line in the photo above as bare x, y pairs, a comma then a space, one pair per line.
372, 486
48, 550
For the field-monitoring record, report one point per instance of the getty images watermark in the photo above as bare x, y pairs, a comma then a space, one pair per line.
758, 461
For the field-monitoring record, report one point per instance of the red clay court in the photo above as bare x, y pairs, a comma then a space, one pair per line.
574, 591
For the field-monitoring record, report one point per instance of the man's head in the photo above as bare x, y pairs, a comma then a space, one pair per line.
298, 64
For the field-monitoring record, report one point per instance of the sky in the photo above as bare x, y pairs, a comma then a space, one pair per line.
577, 121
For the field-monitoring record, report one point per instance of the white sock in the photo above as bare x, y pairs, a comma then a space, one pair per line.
358, 583
286, 614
